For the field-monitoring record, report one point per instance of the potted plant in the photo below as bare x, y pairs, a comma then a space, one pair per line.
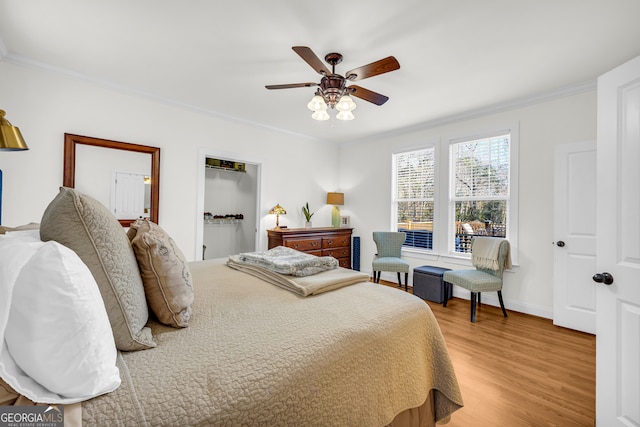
307, 215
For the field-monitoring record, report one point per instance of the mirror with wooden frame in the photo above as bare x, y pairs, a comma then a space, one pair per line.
91, 164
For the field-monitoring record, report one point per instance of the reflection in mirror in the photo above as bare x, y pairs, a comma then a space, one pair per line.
124, 177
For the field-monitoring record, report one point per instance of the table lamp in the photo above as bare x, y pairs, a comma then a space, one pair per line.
277, 210
335, 199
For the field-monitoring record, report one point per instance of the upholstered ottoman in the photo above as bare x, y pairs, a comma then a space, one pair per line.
428, 283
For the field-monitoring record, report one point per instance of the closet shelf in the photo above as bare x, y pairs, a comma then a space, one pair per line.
225, 169
223, 221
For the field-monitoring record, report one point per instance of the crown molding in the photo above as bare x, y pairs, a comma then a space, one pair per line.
28, 62
486, 111
429, 124
3, 49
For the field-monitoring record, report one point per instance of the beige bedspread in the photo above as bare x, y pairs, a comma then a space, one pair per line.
256, 354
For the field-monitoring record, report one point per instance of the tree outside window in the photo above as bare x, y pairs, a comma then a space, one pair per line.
480, 190
413, 196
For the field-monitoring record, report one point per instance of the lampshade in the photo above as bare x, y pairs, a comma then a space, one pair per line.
335, 198
10, 136
320, 115
317, 104
345, 115
345, 104
277, 209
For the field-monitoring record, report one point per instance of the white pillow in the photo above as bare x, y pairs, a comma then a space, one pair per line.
58, 345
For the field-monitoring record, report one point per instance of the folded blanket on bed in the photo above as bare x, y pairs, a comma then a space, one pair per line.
303, 286
285, 260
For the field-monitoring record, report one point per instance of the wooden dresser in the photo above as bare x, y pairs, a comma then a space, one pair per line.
329, 241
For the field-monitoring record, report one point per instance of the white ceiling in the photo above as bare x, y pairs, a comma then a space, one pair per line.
456, 56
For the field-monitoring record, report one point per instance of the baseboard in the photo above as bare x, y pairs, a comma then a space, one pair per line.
491, 298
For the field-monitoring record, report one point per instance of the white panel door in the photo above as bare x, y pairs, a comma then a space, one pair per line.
618, 252
128, 195
574, 296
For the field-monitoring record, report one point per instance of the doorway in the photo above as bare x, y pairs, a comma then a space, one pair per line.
228, 200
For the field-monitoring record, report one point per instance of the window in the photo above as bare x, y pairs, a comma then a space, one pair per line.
413, 196
448, 191
479, 193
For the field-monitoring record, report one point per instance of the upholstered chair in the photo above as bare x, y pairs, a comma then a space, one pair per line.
490, 256
388, 258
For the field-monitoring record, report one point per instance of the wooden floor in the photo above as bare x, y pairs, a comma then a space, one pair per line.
518, 371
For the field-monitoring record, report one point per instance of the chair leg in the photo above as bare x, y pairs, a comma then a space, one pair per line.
447, 288
473, 307
375, 279
399, 280
406, 282
504, 311
479, 299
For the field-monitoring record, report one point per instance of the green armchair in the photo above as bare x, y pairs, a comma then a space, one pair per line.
388, 258
490, 257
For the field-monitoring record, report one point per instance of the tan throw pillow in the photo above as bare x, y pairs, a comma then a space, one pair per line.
82, 224
165, 273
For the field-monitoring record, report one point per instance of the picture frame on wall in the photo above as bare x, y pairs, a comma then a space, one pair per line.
344, 221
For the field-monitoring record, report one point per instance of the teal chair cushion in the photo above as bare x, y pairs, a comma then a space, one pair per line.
473, 280
390, 264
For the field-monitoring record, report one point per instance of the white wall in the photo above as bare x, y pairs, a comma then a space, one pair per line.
45, 105
529, 287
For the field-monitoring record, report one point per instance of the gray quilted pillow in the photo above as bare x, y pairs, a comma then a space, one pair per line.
84, 225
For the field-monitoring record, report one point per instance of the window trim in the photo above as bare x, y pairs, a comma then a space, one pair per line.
442, 219
512, 232
430, 143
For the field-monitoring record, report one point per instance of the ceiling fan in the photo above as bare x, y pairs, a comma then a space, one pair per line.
333, 88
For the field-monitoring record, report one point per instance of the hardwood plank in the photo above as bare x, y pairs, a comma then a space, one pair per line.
517, 371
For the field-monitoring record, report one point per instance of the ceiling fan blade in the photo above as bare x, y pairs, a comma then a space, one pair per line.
368, 95
382, 66
291, 85
311, 59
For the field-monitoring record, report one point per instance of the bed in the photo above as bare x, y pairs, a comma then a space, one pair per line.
257, 354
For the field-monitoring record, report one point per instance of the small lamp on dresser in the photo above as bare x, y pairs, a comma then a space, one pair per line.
335, 199
277, 210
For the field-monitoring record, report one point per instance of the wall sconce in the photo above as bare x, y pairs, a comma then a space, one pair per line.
335, 199
277, 210
10, 140
10, 136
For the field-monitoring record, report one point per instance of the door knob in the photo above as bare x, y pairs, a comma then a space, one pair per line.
560, 244
605, 278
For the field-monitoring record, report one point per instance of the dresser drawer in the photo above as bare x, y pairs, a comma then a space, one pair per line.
344, 262
304, 245
336, 242
337, 252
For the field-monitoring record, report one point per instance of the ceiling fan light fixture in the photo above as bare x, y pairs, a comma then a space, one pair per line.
317, 104
332, 90
320, 115
345, 115
346, 104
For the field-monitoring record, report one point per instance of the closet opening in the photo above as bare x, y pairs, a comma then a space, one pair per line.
228, 206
